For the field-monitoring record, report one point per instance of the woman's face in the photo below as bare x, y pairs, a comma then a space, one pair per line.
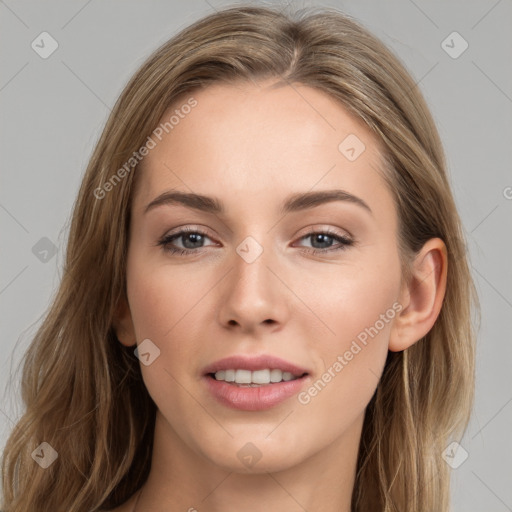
255, 279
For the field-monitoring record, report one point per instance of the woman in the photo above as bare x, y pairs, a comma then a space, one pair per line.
266, 301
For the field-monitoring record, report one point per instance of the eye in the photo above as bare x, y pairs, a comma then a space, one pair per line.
326, 238
192, 238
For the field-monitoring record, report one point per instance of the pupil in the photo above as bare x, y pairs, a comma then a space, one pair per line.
198, 237
322, 238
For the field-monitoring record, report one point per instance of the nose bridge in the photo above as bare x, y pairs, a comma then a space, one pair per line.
251, 274
251, 295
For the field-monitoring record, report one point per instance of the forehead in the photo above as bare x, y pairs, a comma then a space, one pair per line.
256, 141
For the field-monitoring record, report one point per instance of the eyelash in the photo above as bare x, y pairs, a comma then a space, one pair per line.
166, 241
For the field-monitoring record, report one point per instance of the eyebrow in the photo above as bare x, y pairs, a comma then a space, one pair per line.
295, 202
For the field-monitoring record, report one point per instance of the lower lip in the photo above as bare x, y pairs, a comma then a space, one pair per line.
254, 398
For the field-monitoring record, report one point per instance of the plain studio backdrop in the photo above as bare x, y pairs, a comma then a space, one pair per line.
55, 97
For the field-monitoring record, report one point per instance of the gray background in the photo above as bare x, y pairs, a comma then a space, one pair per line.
53, 110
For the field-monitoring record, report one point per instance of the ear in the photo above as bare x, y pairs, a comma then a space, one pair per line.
422, 297
123, 324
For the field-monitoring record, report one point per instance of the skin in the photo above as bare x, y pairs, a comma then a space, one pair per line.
251, 146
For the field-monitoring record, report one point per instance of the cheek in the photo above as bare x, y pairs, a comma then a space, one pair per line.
357, 315
347, 300
169, 306
351, 366
164, 306
163, 298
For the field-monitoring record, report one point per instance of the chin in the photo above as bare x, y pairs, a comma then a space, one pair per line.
255, 455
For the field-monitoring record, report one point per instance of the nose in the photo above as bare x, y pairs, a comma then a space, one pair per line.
252, 296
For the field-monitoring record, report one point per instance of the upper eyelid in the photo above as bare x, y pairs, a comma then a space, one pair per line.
310, 230
184, 231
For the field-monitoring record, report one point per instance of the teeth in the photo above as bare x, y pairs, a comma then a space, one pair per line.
260, 377
256, 377
276, 375
243, 376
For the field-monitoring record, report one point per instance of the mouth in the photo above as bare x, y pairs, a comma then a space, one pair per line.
254, 379
254, 383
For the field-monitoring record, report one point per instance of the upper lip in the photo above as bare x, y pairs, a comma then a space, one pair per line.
253, 363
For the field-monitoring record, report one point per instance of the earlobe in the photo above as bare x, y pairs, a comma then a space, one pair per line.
422, 297
123, 324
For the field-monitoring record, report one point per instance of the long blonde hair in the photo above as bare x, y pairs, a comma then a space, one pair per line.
82, 390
